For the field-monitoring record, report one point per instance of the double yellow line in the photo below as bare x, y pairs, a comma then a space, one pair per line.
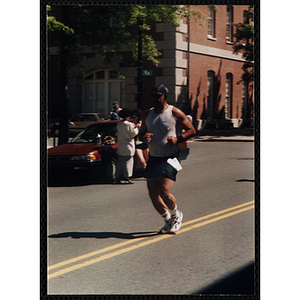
202, 221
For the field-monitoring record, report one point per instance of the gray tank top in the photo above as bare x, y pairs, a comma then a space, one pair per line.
161, 125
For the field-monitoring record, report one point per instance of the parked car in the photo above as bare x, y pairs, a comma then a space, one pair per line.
78, 123
94, 151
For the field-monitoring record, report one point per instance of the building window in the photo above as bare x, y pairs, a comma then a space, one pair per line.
211, 23
210, 89
100, 89
246, 17
229, 26
246, 21
245, 99
228, 96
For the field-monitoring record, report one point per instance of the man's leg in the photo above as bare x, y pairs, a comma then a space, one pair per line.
153, 185
169, 199
154, 189
159, 190
165, 192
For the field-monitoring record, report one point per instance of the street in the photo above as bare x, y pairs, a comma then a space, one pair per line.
102, 238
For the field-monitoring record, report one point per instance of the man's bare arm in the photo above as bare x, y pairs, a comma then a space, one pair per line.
184, 123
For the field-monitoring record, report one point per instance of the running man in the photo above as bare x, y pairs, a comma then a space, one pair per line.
160, 129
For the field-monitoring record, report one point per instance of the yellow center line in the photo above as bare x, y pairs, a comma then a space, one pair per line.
81, 257
142, 244
216, 219
217, 213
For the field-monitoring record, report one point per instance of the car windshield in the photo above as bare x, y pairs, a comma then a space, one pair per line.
103, 117
89, 134
84, 118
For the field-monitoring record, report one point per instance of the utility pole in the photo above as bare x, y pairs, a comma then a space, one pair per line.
140, 66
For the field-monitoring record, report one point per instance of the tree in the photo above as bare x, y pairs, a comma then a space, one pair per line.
101, 26
244, 44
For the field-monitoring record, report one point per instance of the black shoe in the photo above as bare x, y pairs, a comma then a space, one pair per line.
129, 182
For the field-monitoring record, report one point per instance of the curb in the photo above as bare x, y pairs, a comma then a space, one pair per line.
221, 139
226, 135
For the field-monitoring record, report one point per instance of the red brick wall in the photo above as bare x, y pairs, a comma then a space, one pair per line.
199, 33
200, 64
199, 68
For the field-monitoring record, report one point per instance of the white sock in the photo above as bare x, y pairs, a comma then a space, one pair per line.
174, 211
166, 215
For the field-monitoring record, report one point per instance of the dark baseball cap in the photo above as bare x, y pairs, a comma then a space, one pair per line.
160, 89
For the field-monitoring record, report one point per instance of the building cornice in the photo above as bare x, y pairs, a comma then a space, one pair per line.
215, 52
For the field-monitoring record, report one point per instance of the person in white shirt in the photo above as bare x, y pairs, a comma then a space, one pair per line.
126, 145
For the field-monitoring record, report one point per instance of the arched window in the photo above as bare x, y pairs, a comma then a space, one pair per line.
210, 89
245, 100
101, 89
228, 97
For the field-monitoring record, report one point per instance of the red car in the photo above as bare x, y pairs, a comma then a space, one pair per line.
93, 151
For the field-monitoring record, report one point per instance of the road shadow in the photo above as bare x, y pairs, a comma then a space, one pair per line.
245, 180
104, 235
65, 181
68, 180
240, 282
81, 179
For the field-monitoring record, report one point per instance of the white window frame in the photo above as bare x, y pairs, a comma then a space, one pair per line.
210, 93
244, 99
211, 24
229, 26
228, 96
246, 21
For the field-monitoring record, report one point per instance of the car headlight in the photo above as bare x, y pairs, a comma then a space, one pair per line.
88, 157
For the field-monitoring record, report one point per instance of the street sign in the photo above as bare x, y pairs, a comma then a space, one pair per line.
147, 73
123, 64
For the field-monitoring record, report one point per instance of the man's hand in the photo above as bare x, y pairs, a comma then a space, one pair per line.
148, 137
172, 140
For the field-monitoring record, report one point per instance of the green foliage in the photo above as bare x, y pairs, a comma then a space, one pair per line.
54, 25
244, 44
103, 26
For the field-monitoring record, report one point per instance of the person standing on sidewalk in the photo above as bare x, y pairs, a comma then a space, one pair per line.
114, 114
160, 127
126, 145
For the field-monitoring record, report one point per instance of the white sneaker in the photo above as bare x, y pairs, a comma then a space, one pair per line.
167, 227
176, 221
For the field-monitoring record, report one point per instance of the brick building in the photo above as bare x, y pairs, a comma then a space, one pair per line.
198, 66
216, 91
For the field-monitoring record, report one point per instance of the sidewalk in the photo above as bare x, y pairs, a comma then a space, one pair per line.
226, 135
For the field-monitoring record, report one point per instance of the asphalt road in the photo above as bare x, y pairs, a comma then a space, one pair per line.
102, 238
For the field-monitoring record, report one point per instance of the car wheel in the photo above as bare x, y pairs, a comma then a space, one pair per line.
110, 170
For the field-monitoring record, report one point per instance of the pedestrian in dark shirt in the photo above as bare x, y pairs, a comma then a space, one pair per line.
114, 114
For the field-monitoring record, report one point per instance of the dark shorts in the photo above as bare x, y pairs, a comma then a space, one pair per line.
158, 167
